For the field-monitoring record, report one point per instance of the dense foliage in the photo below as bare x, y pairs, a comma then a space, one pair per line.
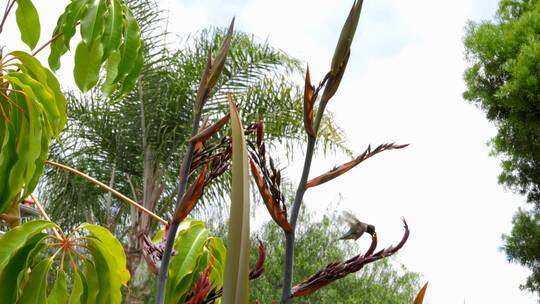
504, 80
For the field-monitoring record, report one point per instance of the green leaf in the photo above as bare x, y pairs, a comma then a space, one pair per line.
28, 22
131, 78
92, 23
59, 292
17, 237
189, 246
112, 35
92, 282
111, 72
131, 45
107, 291
57, 109
110, 263
236, 285
66, 24
17, 266
77, 291
113, 248
217, 254
87, 65
35, 291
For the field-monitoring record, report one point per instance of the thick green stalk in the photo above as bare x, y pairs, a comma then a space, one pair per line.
289, 237
173, 228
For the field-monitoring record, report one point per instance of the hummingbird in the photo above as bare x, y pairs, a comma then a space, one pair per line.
357, 228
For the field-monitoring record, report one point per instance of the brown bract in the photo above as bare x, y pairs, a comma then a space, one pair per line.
420, 297
190, 199
279, 215
207, 132
338, 270
309, 101
337, 171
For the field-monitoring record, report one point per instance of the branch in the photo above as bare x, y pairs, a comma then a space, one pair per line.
330, 175
109, 189
47, 43
45, 215
338, 270
6, 13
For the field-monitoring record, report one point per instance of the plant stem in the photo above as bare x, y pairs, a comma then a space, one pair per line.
47, 43
6, 13
107, 188
182, 185
45, 215
301, 190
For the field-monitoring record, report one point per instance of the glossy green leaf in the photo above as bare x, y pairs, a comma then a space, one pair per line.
38, 113
59, 292
112, 249
77, 291
56, 110
92, 282
217, 254
28, 22
87, 65
107, 291
17, 237
92, 23
32, 258
236, 285
111, 68
8, 155
110, 263
189, 246
131, 47
66, 24
131, 79
35, 291
16, 268
112, 35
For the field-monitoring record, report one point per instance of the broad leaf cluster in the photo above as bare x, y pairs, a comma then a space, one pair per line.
90, 260
33, 110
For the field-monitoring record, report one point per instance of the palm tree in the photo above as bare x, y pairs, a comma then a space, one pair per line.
136, 144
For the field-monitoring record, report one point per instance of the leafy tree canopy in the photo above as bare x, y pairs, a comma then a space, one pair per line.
504, 80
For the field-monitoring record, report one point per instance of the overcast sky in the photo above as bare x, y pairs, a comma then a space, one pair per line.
403, 84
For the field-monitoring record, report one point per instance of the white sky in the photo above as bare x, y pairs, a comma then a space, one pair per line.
403, 84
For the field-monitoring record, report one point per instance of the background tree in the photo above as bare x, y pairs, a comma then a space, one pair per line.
136, 144
504, 81
317, 243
